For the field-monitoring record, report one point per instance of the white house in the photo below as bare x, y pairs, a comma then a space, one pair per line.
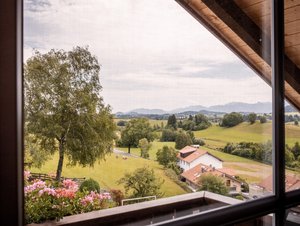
189, 157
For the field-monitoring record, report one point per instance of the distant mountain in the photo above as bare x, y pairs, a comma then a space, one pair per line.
195, 108
259, 107
290, 108
145, 111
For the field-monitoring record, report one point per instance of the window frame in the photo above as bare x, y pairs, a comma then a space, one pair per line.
11, 130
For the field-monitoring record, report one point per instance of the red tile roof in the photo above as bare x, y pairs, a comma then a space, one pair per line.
194, 155
291, 183
188, 149
194, 173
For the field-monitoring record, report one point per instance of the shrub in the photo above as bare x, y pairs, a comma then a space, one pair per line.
198, 141
182, 140
232, 119
117, 196
262, 119
90, 185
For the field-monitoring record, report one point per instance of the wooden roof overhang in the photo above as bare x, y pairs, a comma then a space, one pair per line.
245, 26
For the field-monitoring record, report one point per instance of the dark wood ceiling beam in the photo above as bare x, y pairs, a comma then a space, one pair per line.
233, 16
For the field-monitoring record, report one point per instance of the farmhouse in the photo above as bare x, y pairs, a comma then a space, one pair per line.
191, 156
192, 176
265, 187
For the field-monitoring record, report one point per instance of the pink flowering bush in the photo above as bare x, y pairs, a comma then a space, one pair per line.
47, 201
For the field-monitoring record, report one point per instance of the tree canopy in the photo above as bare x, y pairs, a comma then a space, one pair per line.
141, 183
252, 118
213, 184
63, 107
144, 145
172, 122
232, 119
166, 155
182, 140
135, 130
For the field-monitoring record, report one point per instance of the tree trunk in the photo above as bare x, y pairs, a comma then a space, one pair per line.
129, 148
60, 161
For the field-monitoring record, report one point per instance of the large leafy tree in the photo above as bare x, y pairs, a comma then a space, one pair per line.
141, 183
182, 139
166, 155
135, 130
63, 107
172, 122
213, 184
232, 119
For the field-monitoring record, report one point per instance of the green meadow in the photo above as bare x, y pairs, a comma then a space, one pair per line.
107, 172
217, 137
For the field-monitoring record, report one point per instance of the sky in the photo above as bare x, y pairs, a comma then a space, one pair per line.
153, 54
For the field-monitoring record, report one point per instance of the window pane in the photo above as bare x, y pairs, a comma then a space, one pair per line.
266, 220
293, 216
292, 115
134, 101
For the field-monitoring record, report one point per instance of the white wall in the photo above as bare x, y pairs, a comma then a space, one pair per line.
204, 159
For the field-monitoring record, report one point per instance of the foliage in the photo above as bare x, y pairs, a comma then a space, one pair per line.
296, 150
262, 152
135, 130
44, 201
182, 140
170, 173
168, 135
141, 183
166, 155
213, 184
296, 123
232, 119
121, 123
245, 185
172, 122
252, 118
199, 141
262, 119
90, 185
63, 108
144, 145
199, 122
117, 196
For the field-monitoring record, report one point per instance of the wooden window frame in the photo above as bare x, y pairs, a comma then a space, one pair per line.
11, 130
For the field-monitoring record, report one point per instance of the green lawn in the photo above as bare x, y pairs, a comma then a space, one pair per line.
108, 172
216, 136
152, 152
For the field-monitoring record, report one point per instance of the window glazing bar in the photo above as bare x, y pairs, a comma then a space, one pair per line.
278, 125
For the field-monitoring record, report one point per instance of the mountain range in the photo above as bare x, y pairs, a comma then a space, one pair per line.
259, 107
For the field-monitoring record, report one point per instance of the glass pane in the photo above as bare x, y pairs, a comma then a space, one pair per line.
292, 93
134, 101
293, 216
266, 220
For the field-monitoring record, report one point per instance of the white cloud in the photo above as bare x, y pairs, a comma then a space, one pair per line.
152, 52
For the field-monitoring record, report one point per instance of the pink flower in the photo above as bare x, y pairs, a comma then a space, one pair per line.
49, 191
66, 193
70, 184
38, 184
26, 174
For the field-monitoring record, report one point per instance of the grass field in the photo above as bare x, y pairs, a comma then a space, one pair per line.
152, 152
108, 172
151, 121
216, 136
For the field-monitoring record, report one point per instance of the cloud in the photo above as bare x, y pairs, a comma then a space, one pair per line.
152, 52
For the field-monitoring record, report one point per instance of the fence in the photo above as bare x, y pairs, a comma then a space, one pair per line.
43, 176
